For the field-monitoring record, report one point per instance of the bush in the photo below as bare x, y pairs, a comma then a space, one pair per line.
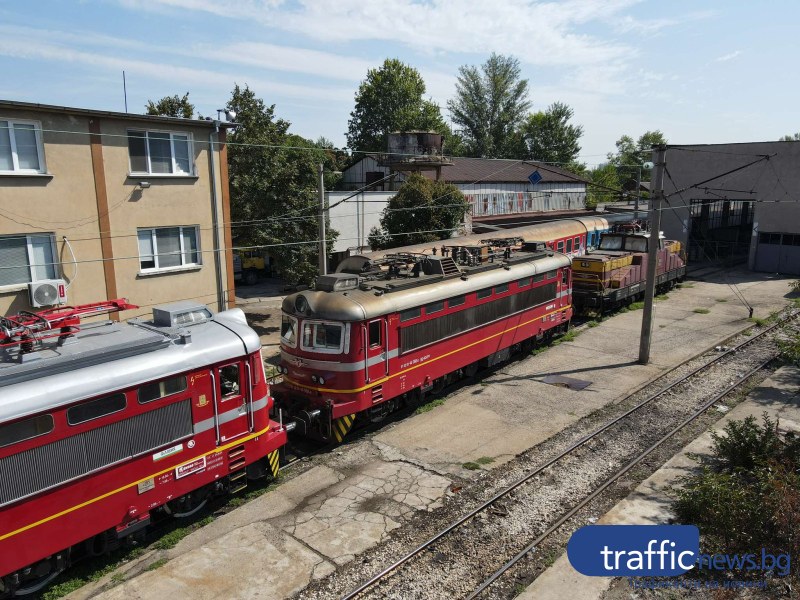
748, 496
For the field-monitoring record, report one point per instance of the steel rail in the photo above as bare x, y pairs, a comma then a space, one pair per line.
570, 513
504, 492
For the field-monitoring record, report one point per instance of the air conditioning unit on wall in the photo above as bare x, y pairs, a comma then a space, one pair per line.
48, 292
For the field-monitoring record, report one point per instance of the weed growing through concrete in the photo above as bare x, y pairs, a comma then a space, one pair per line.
722, 299
471, 466
593, 323
429, 406
485, 460
701, 311
156, 564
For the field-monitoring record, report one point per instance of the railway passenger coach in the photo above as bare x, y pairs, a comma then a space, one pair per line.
382, 332
570, 236
107, 425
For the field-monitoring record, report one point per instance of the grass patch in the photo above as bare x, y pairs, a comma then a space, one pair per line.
758, 321
484, 460
701, 311
117, 578
593, 323
636, 306
684, 285
429, 406
662, 297
722, 299
471, 466
155, 565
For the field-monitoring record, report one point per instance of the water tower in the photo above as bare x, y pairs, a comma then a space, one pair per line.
415, 151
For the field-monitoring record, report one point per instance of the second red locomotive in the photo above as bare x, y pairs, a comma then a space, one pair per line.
379, 333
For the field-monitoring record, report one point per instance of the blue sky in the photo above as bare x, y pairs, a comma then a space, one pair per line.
702, 72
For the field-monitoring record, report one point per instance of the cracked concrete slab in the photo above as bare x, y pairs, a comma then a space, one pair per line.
255, 561
356, 514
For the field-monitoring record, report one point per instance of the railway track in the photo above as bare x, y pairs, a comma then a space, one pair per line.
473, 555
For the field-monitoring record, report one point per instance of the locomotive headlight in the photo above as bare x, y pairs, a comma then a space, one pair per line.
321, 381
314, 378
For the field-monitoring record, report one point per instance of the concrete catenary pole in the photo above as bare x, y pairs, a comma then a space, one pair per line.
659, 158
323, 246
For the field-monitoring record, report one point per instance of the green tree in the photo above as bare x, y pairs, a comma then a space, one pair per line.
631, 154
547, 136
421, 211
273, 183
171, 106
489, 105
605, 182
390, 99
791, 138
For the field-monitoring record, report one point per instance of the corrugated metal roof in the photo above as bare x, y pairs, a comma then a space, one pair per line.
485, 170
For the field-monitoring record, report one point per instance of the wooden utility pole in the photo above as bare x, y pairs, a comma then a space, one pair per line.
659, 158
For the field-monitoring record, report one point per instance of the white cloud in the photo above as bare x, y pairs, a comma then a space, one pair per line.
28, 47
727, 57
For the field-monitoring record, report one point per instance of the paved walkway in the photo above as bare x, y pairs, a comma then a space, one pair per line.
352, 498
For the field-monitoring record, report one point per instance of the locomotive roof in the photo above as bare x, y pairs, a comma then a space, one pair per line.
533, 232
384, 297
108, 356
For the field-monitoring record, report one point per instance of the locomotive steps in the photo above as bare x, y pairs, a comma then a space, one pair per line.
355, 507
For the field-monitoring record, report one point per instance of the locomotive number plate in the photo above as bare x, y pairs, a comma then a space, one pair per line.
146, 486
190, 467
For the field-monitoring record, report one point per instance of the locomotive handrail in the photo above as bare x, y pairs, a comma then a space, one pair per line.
249, 397
214, 402
366, 353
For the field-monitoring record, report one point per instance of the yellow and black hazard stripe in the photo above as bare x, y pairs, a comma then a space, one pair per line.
342, 425
274, 462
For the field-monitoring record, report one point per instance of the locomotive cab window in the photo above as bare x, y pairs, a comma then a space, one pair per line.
569, 245
577, 243
564, 276
560, 246
550, 274
289, 331
229, 382
323, 337
94, 409
375, 333
161, 389
11, 433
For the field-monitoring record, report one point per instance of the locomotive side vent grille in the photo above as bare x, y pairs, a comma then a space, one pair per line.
42, 468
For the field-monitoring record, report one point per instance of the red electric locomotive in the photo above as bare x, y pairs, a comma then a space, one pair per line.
103, 424
378, 333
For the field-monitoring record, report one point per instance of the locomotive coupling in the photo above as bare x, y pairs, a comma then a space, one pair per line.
303, 420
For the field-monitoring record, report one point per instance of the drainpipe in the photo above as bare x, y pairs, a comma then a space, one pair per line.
215, 220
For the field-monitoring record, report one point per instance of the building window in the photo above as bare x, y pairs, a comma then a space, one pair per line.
160, 153
26, 258
21, 148
168, 248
